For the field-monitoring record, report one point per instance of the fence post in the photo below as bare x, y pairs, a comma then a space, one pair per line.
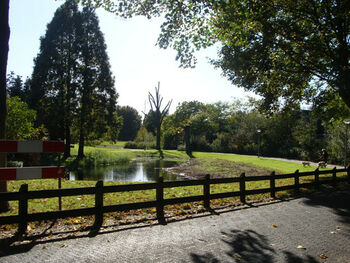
317, 178
98, 205
296, 181
242, 187
206, 191
160, 201
273, 185
23, 209
334, 177
348, 174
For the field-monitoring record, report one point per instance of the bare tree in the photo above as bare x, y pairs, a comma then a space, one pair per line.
156, 104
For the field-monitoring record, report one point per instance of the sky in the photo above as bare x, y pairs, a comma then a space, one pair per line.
136, 62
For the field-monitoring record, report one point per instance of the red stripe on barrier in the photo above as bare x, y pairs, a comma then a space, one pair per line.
53, 172
52, 146
8, 173
8, 146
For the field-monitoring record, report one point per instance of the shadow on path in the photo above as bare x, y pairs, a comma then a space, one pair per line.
250, 246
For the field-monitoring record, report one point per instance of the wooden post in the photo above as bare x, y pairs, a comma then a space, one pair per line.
334, 177
296, 181
206, 191
242, 187
273, 185
160, 201
60, 197
317, 178
59, 185
98, 205
348, 174
23, 209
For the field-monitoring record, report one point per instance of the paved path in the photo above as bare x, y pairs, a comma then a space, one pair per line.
318, 224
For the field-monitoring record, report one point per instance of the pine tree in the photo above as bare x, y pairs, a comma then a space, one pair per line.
72, 86
97, 96
55, 77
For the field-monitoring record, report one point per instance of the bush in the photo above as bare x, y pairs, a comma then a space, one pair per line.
139, 145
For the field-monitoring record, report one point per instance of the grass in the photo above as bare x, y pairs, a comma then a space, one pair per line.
226, 165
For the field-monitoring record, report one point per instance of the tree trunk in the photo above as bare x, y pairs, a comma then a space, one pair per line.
4, 48
158, 138
68, 141
81, 132
344, 88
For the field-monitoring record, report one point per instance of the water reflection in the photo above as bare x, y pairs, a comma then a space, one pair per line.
136, 171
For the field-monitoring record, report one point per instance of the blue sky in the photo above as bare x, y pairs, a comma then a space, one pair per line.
136, 62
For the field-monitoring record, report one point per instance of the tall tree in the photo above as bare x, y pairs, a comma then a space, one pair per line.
131, 123
96, 92
4, 48
156, 105
55, 77
72, 83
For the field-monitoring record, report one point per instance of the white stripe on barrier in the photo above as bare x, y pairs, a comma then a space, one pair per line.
30, 146
28, 173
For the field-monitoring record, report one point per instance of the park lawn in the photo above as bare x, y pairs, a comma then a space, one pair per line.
208, 162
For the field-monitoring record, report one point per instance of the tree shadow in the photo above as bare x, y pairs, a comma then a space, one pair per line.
250, 246
339, 201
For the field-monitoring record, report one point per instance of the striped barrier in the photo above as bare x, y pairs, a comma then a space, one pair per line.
29, 173
32, 146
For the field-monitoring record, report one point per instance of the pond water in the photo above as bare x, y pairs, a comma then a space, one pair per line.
142, 170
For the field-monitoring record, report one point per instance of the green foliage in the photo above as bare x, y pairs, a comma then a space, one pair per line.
72, 87
143, 140
285, 50
131, 123
20, 121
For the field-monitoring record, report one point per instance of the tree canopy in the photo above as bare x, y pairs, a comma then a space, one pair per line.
285, 50
131, 123
72, 85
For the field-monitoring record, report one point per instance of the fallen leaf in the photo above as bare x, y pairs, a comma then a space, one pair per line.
337, 228
301, 247
63, 245
275, 226
323, 256
238, 257
333, 232
44, 247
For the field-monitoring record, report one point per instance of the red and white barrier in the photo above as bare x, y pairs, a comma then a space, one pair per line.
32, 146
28, 173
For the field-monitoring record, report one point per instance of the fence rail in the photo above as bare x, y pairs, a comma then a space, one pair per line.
23, 195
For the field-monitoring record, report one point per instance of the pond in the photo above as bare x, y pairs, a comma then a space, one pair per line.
140, 170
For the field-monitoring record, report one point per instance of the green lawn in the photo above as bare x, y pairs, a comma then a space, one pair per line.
208, 162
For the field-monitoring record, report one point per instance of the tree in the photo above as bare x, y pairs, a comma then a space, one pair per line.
156, 104
131, 123
4, 48
72, 85
20, 119
287, 51
97, 93
293, 50
55, 78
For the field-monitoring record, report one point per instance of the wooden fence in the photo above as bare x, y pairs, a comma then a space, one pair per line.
99, 190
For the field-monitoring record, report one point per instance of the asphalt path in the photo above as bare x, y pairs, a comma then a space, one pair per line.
309, 229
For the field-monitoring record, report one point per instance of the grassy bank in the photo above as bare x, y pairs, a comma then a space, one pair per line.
225, 165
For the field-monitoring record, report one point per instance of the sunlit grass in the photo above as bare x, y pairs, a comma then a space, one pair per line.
223, 164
